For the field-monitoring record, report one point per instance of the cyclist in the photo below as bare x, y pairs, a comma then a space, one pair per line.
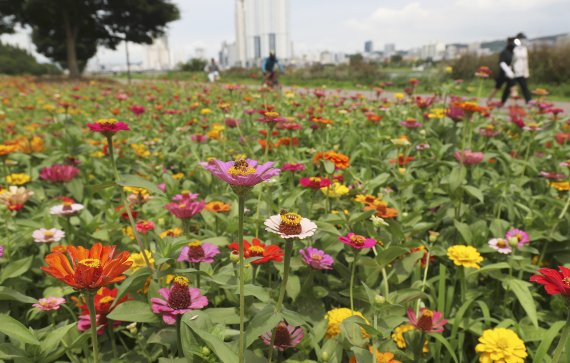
269, 71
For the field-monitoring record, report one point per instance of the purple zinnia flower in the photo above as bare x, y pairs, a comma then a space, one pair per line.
180, 299
286, 336
501, 245
469, 157
196, 252
357, 241
241, 173
429, 321
411, 123
1, 251
518, 236
185, 209
316, 258
59, 173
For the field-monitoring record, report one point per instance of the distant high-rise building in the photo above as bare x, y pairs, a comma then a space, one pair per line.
262, 26
158, 54
368, 46
389, 50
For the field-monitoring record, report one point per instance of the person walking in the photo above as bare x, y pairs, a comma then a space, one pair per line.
505, 71
268, 69
520, 66
213, 71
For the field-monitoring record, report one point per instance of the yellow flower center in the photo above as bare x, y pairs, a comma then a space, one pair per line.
316, 257
291, 218
519, 236
181, 280
502, 344
428, 313
195, 244
271, 114
566, 281
501, 243
48, 234
256, 250
315, 179
91, 262
241, 168
357, 239
106, 299
107, 121
182, 205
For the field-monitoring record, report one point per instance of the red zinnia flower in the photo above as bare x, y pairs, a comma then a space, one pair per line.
265, 253
108, 127
88, 268
555, 282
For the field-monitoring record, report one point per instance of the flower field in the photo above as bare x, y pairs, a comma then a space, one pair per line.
182, 222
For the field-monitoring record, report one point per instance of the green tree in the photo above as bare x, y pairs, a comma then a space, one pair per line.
69, 31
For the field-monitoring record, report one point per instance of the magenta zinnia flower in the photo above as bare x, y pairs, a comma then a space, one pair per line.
520, 236
196, 252
241, 173
293, 167
137, 110
180, 299
428, 321
286, 336
411, 123
357, 241
315, 182
185, 209
108, 127
469, 157
59, 173
316, 258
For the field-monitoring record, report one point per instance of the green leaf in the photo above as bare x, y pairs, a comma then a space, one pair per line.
264, 321
75, 187
50, 343
9, 294
522, 292
135, 311
133, 282
16, 268
390, 254
456, 178
16, 330
101, 186
329, 166
446, 344
464, 230
547, 339
474, 192
137, 181
293, 287
217, 345
488, 268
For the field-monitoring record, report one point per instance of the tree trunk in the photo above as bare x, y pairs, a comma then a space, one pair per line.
70, 39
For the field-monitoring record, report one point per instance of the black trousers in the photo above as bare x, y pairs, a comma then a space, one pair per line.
523, 86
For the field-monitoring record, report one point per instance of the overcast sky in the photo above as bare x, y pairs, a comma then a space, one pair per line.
344, 25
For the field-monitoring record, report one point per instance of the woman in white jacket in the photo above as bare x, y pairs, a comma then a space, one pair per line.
520, 66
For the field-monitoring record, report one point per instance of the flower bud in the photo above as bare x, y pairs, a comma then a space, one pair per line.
132, 328
206, 351
325, 356
379, 299
234, 257
513, 242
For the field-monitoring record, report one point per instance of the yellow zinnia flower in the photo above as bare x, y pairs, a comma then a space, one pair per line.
335, 317
501, 345
18, 179
173, 232
335, 190
400, 340
562, 186
138, 260
136, 190
466, 256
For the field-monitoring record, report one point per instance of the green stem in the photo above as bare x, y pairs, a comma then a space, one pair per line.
562, 344
178, 335
111, 332
241, 210
90, 297
418, 355
385, 278
424, 280
282, 289
563, 213
351, 286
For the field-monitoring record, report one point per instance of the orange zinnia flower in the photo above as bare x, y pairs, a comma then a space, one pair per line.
383, 211
339, 160
88, 268
218, 207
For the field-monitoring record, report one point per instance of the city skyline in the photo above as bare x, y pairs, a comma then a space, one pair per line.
331, 25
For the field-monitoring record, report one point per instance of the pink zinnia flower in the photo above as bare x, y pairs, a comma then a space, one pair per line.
357, 241
241, 173
317, 259
315, 182
232, 122
185, 208
108, 127
49, 303
199, 138
469, 157
455, 113
145, 226
185, 196
59, 173
422, 146
66, 209
411, 123
43, 235
179, 299
293, 167
286, 336
552, 175
501, 245
137, 110
197, 252
518, 236
428, 321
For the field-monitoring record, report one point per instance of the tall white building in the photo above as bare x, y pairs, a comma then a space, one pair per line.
262, 26
158, 55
